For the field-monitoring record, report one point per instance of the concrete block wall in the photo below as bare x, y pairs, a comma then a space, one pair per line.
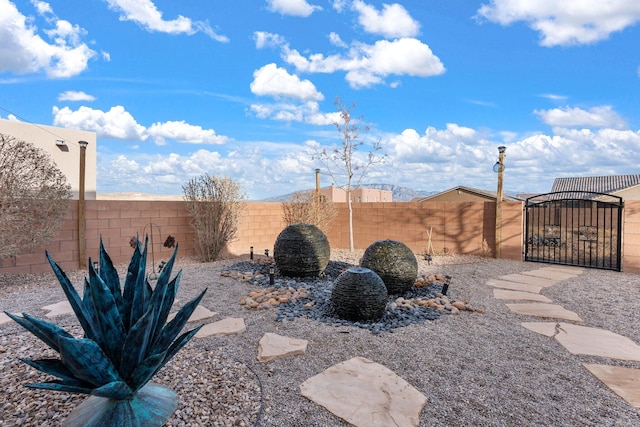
631, 237
462, 228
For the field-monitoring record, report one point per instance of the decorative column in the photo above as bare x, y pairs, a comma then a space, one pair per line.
82, 224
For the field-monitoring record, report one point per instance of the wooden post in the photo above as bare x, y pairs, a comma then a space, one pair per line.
499, 196
82, 224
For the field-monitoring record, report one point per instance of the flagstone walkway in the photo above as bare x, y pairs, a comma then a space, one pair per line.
365, 393
523, 290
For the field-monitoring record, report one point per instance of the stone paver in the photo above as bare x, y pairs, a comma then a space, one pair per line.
539, 309
544, 328
550, 274
514, 286
528, 279
575, 271
4, 319
200, 313
365, 394
597, 342
58, 309
625, 382
228, 326
507, 294
274, 346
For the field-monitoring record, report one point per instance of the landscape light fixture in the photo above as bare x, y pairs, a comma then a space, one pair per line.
445, 287
266, 252
251, 253
272, 272
499, 166
62, 145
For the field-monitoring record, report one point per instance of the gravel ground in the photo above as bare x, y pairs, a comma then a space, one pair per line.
475, 369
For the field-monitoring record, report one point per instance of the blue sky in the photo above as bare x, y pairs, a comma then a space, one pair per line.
246, 89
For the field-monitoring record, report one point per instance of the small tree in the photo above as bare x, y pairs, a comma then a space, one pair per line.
215, 205
33, 196
343, 161
308, 207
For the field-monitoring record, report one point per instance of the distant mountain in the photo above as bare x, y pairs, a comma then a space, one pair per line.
400, 194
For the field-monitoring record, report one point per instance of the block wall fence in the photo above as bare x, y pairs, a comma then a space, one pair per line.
452, 227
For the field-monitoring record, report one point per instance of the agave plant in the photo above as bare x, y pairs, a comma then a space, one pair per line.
127, 340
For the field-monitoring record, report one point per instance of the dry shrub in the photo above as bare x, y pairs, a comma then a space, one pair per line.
215, 205
34, 196
308, 207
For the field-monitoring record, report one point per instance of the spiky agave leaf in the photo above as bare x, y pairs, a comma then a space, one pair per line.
171, 330
137, 343
163, 295
115, 390
82, 311
61, 386
130, 284
109, 275
140, 291
47, 332
53, 367
86, 360
112, 336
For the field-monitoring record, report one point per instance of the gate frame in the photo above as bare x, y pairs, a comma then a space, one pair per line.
575, 196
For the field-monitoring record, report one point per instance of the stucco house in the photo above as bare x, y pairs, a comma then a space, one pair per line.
358, 195
63, 146
625, 186
465, 194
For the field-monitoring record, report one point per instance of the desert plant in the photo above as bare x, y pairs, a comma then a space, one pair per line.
215, 205
343, 163
33, 196
126, 342
309, 207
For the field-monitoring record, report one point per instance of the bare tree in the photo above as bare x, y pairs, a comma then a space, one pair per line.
308, 207
215, 205
33, 196
345, 165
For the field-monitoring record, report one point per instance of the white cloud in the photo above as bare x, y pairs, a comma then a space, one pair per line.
292, 7
23, 51
392, 21
367, 65
307, 112
116, 123
146, 14
596, 117
335, 40
567, 22
74, 95
265, 39
270, 80
554, 97
184, 132
339, 5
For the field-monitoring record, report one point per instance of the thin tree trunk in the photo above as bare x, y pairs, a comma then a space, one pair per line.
351, 248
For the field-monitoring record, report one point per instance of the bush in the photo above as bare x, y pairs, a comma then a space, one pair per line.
33, 197
215, 205
307, 207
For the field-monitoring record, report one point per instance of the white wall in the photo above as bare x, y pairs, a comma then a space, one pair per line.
68, 160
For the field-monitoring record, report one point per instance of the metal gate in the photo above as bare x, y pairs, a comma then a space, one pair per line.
574, 228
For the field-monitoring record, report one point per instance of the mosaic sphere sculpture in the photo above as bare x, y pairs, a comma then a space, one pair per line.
394, 262
301, 250
359, 294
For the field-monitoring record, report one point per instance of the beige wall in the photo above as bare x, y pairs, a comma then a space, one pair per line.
463, 228
459, 195
68, 162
